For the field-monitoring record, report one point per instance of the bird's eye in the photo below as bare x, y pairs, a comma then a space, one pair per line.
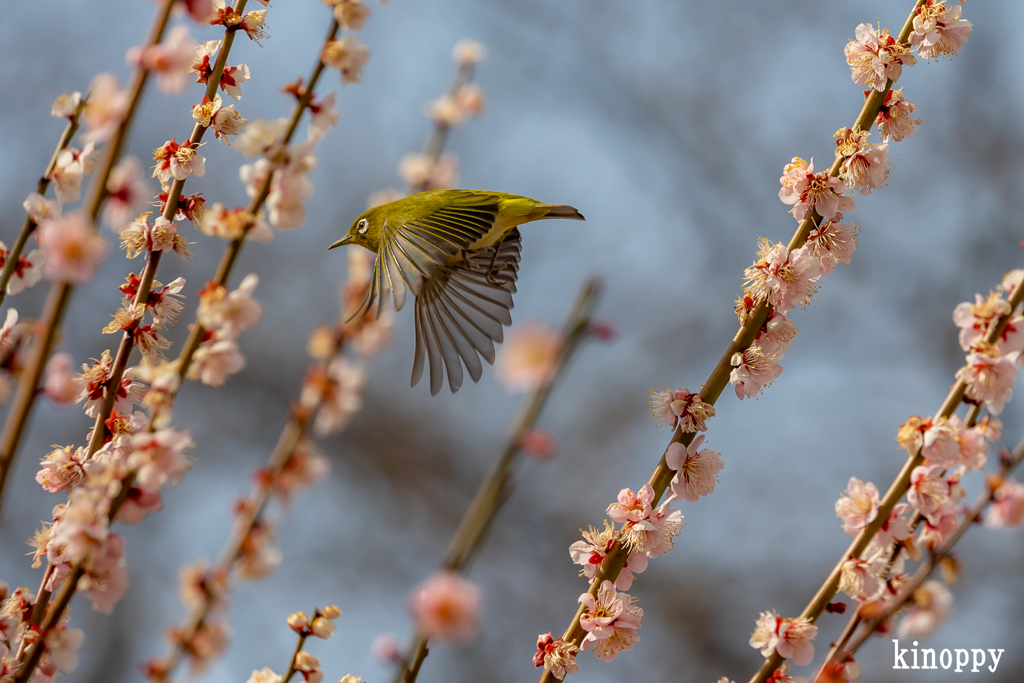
362, 226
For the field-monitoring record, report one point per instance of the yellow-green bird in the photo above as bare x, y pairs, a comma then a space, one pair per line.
457, 251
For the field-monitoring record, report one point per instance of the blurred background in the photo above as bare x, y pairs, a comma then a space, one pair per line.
668, 125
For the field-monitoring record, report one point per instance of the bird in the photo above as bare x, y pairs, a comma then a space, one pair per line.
457, 252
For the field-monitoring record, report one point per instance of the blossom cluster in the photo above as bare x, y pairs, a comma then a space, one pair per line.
319, 625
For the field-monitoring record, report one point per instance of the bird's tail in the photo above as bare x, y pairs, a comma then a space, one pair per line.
560, 211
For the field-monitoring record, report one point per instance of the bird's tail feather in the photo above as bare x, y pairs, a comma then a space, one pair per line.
562, 211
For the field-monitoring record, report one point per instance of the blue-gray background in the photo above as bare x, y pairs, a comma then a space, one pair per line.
668, 125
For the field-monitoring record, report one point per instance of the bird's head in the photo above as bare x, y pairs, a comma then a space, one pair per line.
365, 230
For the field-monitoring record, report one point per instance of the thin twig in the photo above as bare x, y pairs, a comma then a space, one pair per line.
494, 490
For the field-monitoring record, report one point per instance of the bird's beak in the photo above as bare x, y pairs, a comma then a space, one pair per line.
347, 239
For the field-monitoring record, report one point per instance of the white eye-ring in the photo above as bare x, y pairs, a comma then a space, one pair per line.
362, 226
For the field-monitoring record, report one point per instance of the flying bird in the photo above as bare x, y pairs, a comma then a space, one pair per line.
457, 252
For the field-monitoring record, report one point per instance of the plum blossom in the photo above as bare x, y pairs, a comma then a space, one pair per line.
858, 507
73, 249
791, 638
990, 376
895, 120
975, 320
781, 675
226, 122
39, 208
259, 558
680, 408
71, 166
80, 527
862, 579
1007, 507
158, 458
230, 312
530, 358
348, 56
290, 185
231, 78
95, 379
1011, 280
341, 394
128, 193
940, 441
254, 25
833, 243
939, 30
782, 277
65, 105
556, 656
170, 60
323, 116
106, 576
61, 385
201, 11
929, 489
264, 675
139, 237
6, 331
351, 14
875, 57
214, 360
61, 653
807, 191
611, 621
752, 370
896, 528
927, 608
696, 470
468, 52
446, 606
591, 551
422, 171
227, 224
260, 137
27, 271
865, 165
309, 666
104, 107
177, 161
937, 526
62, 468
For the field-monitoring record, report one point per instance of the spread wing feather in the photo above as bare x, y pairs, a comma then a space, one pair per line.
459, 314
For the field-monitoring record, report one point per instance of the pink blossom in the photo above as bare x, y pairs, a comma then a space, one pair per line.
862, 579
540, 444
858, 507
61, 653
468, 52
929, 489
104, 108
805, 190
61, 385
6, 332
974, 321
65, 105
1007, 507
62, 468
783, 278
158, 458
138, 505
776, 335
323, 116
875, 57
990, 376
178, 162
290, 186
895, 120
73, 249
591, 551
106, 576
348, 56
667, 525
171, 60
556, 656
39, 208
791, 638
752, 370
632, 508
928, 607
446, 606
833, 243
80, 527
611, 621
27, 271
937, 526
422, 171
940, 442
530, 358
230, 312
71, 166
865, 165
696, 470
214, 360
896, 528
260, 137
128, 193
351, 14
939, 30
165, 302
386, 649
1011, 280
342, 395
201, 11
680, 408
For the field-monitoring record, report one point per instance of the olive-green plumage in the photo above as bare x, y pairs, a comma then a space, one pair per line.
457, 252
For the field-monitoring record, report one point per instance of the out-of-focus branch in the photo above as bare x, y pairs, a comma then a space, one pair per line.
493, 491
60, 292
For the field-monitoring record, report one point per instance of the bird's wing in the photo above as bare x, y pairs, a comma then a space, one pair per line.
459, 314
412, 247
